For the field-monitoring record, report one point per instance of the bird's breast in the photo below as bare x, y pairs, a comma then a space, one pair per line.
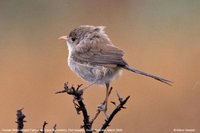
93, 74
82, 70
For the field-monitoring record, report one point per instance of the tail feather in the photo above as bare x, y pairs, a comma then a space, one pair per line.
168, 82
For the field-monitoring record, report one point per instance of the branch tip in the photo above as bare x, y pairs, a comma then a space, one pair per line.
20, 120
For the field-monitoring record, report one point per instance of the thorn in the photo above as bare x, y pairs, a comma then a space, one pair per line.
79, 87
73, 89
120, 98
66, 85
123, 107
63, 91
113, 103
20, 109
54, 128
82, 126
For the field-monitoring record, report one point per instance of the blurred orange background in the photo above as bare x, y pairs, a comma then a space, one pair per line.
159, 37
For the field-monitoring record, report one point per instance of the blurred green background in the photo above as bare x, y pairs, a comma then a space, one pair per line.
160, 37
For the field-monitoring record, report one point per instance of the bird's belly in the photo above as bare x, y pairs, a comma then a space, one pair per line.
94, 74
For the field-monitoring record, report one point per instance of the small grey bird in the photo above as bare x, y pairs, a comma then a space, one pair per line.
94, 58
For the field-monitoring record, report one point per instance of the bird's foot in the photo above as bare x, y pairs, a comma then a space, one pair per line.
103, 108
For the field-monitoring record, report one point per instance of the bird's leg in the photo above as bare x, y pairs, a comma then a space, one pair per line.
106, 99
103, 107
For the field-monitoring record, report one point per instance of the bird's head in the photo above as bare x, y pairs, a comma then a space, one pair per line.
80, 33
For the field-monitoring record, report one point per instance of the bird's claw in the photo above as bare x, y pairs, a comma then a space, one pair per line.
103, 108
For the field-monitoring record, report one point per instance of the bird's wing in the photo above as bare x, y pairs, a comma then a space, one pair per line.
106, 55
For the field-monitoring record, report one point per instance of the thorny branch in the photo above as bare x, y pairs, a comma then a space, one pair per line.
20, 120
115, 111
54, 128
80, 107
43, 127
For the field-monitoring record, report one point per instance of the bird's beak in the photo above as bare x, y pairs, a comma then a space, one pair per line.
63, 38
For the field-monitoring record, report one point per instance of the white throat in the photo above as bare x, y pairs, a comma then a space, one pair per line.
70, 47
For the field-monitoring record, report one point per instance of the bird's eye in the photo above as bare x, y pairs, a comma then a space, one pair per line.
73, 39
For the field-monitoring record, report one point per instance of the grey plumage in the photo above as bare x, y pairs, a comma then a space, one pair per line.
94, 58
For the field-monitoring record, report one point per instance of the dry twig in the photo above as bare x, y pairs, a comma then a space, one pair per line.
115, 111
54, 128
78, 104
43, 127
20, 120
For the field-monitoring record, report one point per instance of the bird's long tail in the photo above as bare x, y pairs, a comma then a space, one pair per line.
148, 75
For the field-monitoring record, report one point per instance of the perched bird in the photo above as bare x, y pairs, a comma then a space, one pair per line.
94, 58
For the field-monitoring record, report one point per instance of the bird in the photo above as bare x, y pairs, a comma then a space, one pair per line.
94, 58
